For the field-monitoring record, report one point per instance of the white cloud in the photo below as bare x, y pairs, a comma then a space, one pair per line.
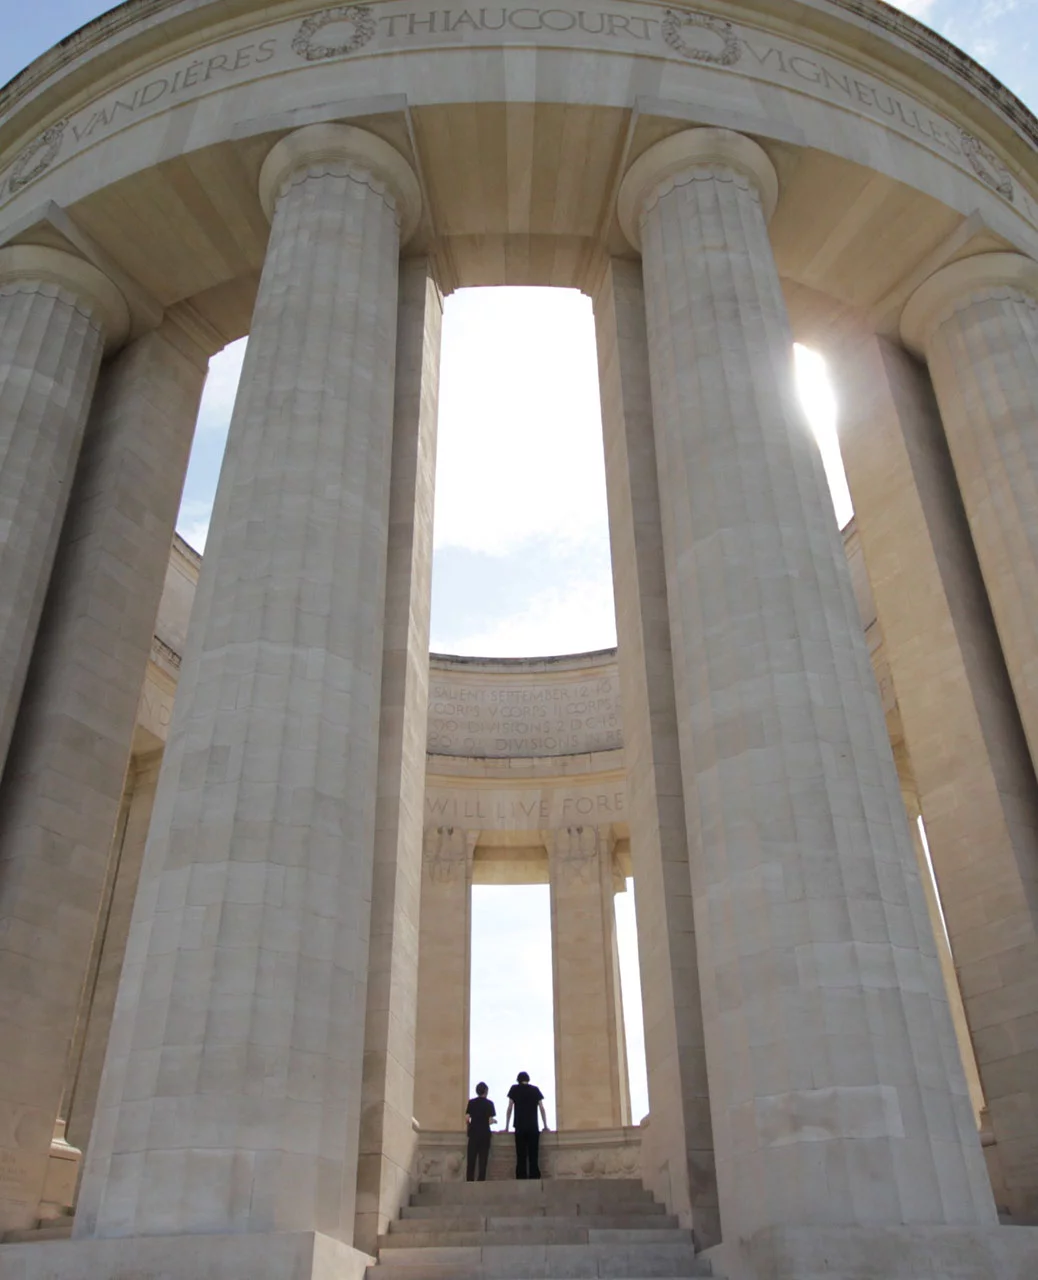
571, 616
520, 448
917, 8
193, 522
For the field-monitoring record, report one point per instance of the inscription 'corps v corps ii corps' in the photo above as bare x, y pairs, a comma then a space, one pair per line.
342, 31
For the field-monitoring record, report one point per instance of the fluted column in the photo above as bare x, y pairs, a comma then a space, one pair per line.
591, 1084
969, 757
444, 978
677, 1146
836, 1092
387, 1135
57, 316
230, 1099
60, 795
976, 324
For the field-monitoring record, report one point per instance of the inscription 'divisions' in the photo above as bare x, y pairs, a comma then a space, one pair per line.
342, 31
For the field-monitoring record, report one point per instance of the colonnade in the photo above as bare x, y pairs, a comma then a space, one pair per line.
260, 1074
583, 874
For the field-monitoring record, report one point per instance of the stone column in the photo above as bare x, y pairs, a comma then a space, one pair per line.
444, 979
387, 1137
970, 762
58, 314
98, 1002
677, 1146
230, 1099
60, 795
976, 324
591, 1085
836, 1092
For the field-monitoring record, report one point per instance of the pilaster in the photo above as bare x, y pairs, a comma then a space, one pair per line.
97, 1004
444, 978
387, 1137
677, 1145
591, 1084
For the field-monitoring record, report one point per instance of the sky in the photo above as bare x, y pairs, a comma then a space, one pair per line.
521, 543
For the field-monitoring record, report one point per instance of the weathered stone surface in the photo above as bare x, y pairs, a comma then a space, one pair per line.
835, 1087
230, 1100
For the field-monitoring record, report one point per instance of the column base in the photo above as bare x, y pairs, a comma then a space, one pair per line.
880, 1253
297, 1255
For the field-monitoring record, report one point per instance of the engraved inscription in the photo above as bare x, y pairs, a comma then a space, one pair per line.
359, 30
527, 811
550, 718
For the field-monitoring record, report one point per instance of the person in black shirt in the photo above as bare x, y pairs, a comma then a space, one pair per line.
526, 1099
478, 1117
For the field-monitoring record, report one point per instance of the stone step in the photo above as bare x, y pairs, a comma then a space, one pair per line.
467, 1220
534, 1232
559, 1191
612, 1261
509, 1209
56, 1229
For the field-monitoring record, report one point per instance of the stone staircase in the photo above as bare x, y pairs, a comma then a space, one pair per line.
546, 1230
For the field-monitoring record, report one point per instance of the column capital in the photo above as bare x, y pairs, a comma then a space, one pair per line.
682, 154
956, 286
356, 149
30, 262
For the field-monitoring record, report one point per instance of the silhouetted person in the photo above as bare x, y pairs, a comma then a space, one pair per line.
479, 1115
526, 1099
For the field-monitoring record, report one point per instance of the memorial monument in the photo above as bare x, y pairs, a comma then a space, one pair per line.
270, 900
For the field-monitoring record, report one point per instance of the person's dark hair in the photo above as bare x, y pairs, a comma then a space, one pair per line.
523, 1077
481, 1089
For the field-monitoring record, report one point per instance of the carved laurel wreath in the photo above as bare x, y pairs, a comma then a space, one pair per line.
676, 19
987, 166
37, 156
312, 50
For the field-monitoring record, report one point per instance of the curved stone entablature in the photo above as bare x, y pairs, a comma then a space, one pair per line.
336, 33
522, 708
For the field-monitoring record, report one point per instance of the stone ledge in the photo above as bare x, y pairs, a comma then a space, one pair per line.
304, 1255
567, 1155
882, 1253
